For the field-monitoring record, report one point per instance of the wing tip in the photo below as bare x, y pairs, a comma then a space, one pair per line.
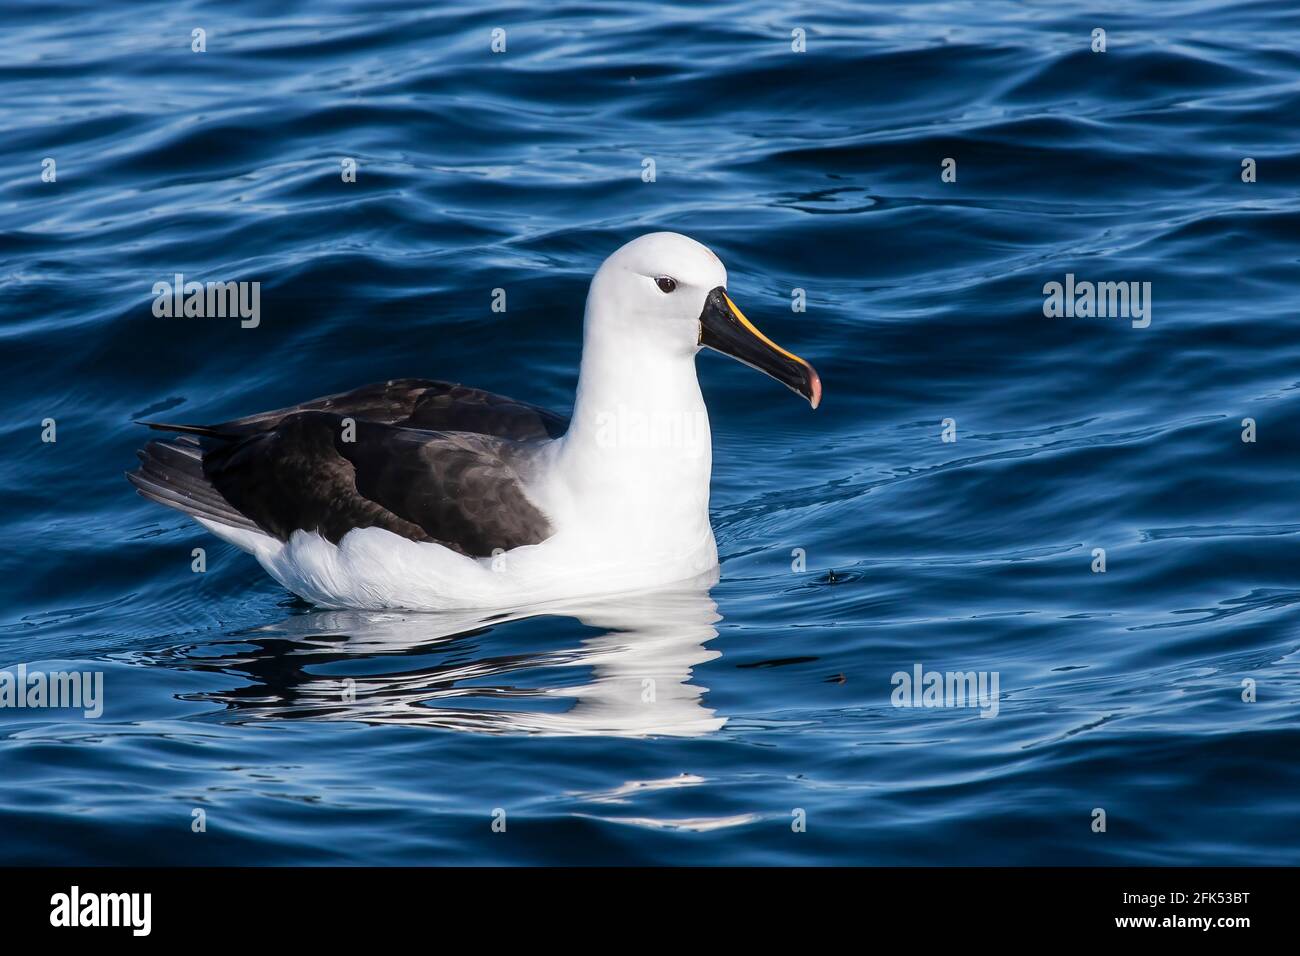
207, 431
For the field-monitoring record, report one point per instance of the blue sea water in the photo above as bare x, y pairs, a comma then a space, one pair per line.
816, 170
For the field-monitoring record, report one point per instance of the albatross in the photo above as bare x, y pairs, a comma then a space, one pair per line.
429, 495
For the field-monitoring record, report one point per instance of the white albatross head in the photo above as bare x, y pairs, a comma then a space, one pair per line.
665, 294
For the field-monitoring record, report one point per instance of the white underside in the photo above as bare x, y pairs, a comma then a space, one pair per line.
372, 568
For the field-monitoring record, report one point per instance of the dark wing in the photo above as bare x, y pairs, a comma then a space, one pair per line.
296, 469
424, 403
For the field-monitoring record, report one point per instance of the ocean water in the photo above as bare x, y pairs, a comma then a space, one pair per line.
773, 737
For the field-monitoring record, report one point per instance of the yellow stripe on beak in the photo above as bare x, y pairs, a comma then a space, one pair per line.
754, 329
725, 328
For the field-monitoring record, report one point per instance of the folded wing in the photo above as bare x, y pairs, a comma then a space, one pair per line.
430, 461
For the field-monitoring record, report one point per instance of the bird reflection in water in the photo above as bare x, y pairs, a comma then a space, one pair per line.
631, 678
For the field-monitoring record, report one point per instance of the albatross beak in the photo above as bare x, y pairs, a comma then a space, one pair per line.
724, 328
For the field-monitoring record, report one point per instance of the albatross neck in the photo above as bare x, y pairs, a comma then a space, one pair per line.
631, 475
639, 405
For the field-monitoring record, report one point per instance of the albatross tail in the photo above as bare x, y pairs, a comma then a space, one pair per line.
171, 473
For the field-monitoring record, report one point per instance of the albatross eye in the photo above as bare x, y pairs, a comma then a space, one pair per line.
666, 284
